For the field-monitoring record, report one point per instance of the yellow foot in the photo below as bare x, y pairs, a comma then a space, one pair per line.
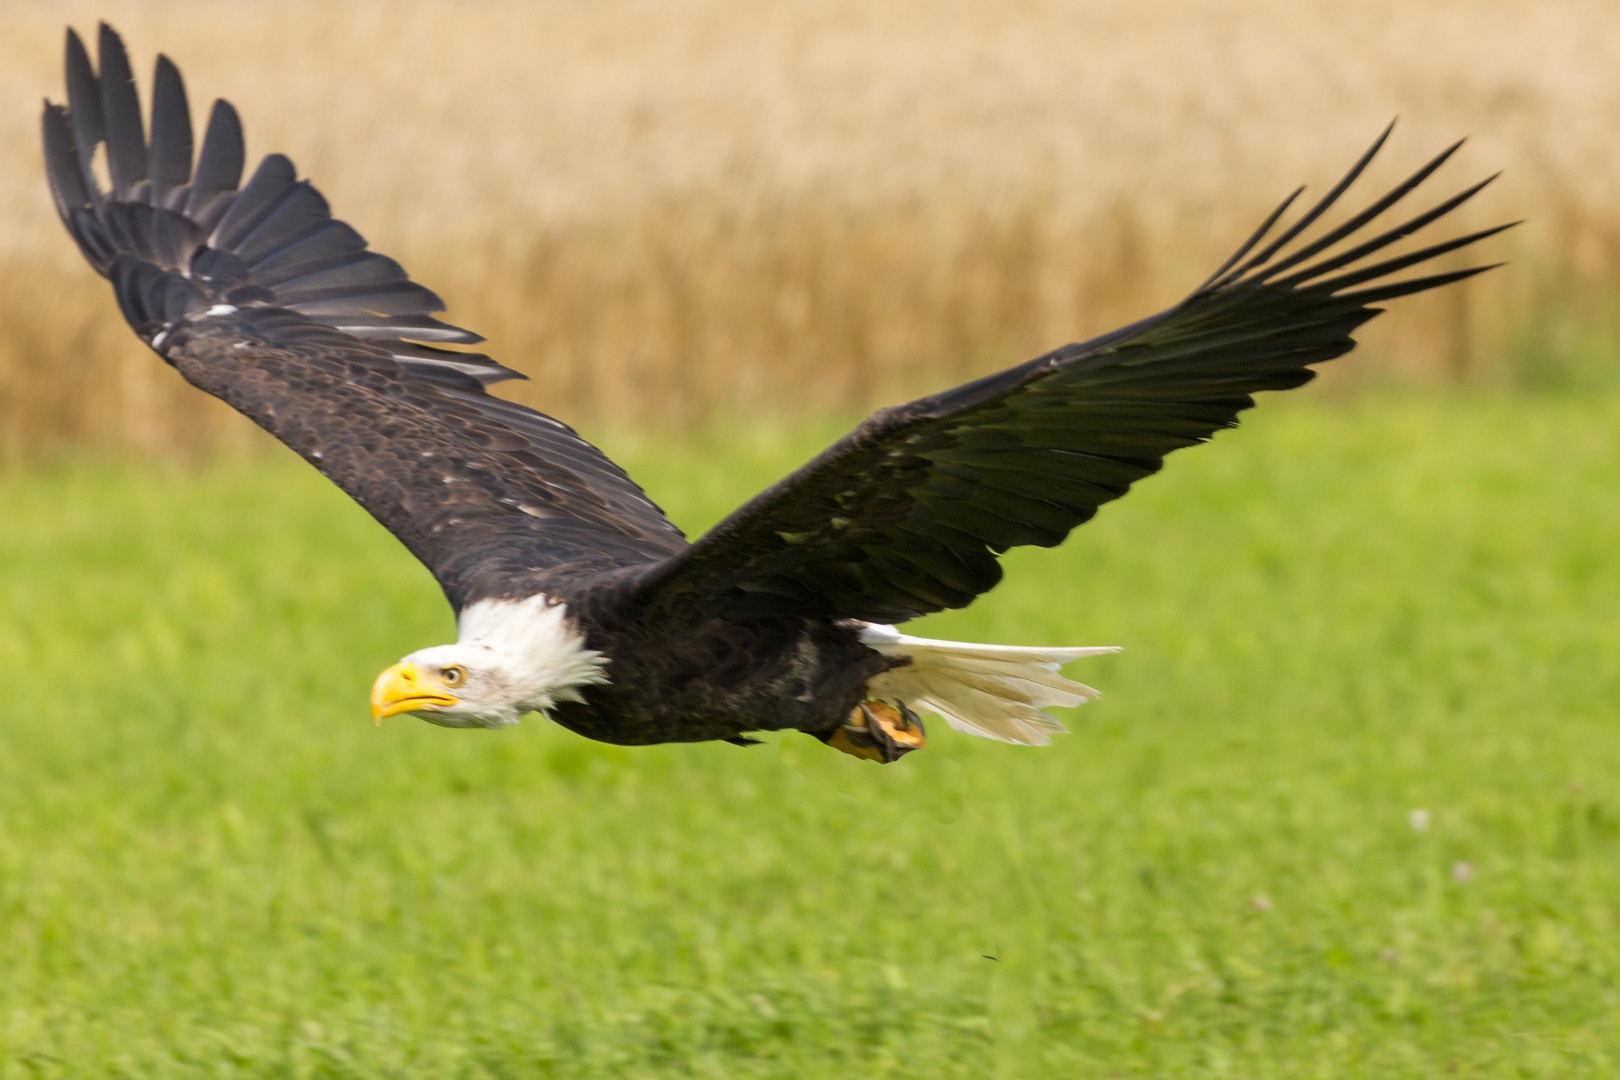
878, 731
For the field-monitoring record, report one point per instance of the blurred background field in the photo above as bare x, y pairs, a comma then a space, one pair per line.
1347, 810
670, 210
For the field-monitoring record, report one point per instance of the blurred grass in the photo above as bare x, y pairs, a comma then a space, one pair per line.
670, 210
212, 864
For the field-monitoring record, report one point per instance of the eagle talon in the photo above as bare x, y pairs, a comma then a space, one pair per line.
878, 731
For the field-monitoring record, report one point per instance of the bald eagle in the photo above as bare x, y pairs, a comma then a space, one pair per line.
575, 596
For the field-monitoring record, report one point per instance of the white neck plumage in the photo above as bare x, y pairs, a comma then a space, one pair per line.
541, 650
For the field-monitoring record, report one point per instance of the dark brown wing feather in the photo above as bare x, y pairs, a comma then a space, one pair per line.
260, 297
909, 512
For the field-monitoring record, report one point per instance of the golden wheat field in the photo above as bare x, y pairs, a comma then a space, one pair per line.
661, 209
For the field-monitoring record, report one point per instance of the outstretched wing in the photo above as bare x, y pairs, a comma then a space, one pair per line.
259, 296
909, 512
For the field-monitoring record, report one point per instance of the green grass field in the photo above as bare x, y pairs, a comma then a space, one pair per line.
212, 864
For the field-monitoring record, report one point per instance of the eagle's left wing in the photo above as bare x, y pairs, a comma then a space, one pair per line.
909, 513
259, 296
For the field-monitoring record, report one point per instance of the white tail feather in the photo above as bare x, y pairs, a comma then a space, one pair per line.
994, 691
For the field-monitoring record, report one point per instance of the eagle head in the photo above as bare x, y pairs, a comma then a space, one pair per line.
512, 657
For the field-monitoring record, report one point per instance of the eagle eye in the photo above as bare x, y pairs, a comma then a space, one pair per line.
454, 675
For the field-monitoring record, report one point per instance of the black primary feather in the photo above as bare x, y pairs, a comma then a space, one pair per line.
169, 162
84, 99
219, 168
121, 118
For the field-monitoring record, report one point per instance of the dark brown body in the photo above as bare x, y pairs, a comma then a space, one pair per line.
696, 679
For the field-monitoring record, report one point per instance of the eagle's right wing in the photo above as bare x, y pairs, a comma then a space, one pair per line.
909, 513
259, 296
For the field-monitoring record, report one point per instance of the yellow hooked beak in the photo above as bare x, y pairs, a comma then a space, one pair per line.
402, 688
